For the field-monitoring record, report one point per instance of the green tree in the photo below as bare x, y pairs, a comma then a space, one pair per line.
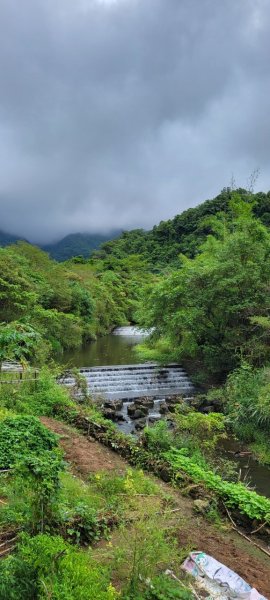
16, 292
206, 308
18, 342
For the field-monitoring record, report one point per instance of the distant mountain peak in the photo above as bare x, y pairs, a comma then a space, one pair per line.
73, 244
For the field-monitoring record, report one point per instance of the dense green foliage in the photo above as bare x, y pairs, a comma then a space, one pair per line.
212, 312
40, 397
48, 567
214, 307
78, 244
61, 306
246, 400
22, 437
30, 454
234, 494
183, 234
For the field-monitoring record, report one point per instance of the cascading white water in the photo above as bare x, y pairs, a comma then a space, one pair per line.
135, 381
132, 331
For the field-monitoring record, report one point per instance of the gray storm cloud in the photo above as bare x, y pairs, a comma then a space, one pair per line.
116, 114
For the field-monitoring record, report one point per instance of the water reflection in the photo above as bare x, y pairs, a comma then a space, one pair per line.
108, 350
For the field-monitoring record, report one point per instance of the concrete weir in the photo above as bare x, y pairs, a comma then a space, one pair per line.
135, 381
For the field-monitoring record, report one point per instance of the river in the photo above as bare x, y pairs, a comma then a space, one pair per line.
107, 350
118, 349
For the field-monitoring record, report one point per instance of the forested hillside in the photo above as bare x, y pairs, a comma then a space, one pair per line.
7, 238
47, 307
183, 234
77, 244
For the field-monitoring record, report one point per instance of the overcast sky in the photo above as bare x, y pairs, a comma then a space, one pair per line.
120, 113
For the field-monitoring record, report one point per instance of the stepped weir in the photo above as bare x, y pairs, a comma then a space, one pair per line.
135, 381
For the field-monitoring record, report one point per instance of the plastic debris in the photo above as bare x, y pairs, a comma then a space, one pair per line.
218, 580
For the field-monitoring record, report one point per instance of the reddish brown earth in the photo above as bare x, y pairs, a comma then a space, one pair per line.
88, 456
85, 455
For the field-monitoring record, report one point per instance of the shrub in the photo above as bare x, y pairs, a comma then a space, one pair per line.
164, 588
31, 453
158, 438
204, 431
131, 483
44, 396
247, 395
143, 552
235, 495
48, 567
22, 437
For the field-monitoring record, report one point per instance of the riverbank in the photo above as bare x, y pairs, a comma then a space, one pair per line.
83, 503
87, 457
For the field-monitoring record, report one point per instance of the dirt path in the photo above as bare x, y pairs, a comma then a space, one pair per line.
87, 457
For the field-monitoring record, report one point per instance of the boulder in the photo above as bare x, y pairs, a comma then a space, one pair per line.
140, 413
114, 404
136, 413
171, 407
109, 413
197, 402
113, 414
201, 506
120, 417
207, 409
218, 404
140, 424
171, 400
163, 408
154, 419
144, 402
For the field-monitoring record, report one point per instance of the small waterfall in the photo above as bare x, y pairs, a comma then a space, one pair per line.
132, 331
135, 381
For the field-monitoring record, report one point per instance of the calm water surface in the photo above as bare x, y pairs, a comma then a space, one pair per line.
108, 350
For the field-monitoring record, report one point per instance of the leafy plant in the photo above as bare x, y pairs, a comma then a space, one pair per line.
204, 431
165, 588
157, 438
42, 396
143, 552
235, 495
31, 454
22, 437
202, 309
47, 567
18, 341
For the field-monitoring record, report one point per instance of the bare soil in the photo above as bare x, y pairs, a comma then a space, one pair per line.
88, 456
84, 455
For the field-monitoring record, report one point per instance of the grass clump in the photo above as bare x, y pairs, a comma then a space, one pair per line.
133, 482
42, 397
48, 567
143, 551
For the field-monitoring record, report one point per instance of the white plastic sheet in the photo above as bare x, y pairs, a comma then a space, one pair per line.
220, 581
